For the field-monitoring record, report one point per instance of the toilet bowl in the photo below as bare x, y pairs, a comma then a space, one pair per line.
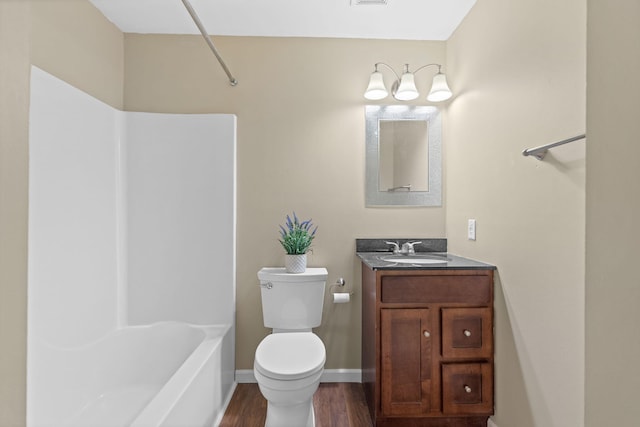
288, 368
289, 362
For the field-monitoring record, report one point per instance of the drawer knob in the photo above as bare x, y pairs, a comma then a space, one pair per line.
467, 388
467, 333
426, 334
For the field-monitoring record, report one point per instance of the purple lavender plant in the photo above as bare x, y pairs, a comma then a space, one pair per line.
296, 238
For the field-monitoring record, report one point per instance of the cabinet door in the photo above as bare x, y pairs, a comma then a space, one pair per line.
406, 371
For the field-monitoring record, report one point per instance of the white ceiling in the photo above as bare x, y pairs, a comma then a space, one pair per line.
398, 19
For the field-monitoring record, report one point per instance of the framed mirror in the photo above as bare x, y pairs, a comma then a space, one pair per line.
403, 155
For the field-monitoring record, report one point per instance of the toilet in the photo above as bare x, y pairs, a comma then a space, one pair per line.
289, 362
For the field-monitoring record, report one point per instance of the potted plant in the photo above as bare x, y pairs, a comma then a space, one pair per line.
296, 240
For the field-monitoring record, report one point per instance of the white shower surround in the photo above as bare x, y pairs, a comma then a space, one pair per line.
131, 222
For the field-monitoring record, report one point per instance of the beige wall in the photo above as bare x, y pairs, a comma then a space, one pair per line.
613, 209
73, 41
14, 115
300, 147
519, 72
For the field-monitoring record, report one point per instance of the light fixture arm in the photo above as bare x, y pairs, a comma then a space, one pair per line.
406, 68
388, 66
429, 65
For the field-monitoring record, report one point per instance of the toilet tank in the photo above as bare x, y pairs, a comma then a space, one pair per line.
292, 301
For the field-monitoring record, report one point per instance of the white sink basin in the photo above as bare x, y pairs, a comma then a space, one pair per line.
413, 260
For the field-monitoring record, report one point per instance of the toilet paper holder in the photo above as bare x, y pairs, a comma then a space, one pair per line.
339, 283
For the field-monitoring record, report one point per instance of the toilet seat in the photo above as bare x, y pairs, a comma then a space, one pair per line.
290, 356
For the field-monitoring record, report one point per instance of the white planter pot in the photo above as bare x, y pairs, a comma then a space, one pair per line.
295, 263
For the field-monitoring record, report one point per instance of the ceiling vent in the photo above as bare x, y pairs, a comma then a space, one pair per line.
364, 2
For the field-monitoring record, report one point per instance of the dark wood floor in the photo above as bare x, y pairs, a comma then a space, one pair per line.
335, 405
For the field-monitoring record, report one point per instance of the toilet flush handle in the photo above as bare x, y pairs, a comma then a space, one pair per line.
267, 285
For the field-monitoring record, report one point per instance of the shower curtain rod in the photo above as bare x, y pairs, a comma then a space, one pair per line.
203, 31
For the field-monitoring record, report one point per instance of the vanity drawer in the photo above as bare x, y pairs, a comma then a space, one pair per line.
467, 388
437, 288
467, 333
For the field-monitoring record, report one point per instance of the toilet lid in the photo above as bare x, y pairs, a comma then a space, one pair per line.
290, 355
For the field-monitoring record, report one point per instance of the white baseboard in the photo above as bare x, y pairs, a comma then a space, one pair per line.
244, 376
341, 376
328, 376
490, 423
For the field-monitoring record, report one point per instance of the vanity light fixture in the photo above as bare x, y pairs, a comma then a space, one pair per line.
404, 88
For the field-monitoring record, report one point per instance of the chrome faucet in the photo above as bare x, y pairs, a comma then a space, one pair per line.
407, 248
395, 248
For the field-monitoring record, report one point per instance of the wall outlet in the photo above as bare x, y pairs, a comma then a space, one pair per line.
471, 229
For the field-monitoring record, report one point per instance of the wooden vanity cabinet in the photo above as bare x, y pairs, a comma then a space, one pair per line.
427, 347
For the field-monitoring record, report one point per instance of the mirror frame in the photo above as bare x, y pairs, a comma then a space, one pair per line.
373, 196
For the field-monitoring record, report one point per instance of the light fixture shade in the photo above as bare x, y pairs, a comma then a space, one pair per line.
439, 89
406, 90
376, 89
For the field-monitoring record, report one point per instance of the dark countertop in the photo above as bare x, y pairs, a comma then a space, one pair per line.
374, 260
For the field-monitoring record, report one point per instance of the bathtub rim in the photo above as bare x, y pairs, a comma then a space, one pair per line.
205, 333
164, 402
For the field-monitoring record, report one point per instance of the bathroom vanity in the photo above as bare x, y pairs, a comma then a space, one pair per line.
427, 339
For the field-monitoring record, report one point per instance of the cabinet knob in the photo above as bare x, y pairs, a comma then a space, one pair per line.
467, 333
426, 334
467, 388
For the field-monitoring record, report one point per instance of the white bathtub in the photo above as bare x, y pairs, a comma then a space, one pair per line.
166, 374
